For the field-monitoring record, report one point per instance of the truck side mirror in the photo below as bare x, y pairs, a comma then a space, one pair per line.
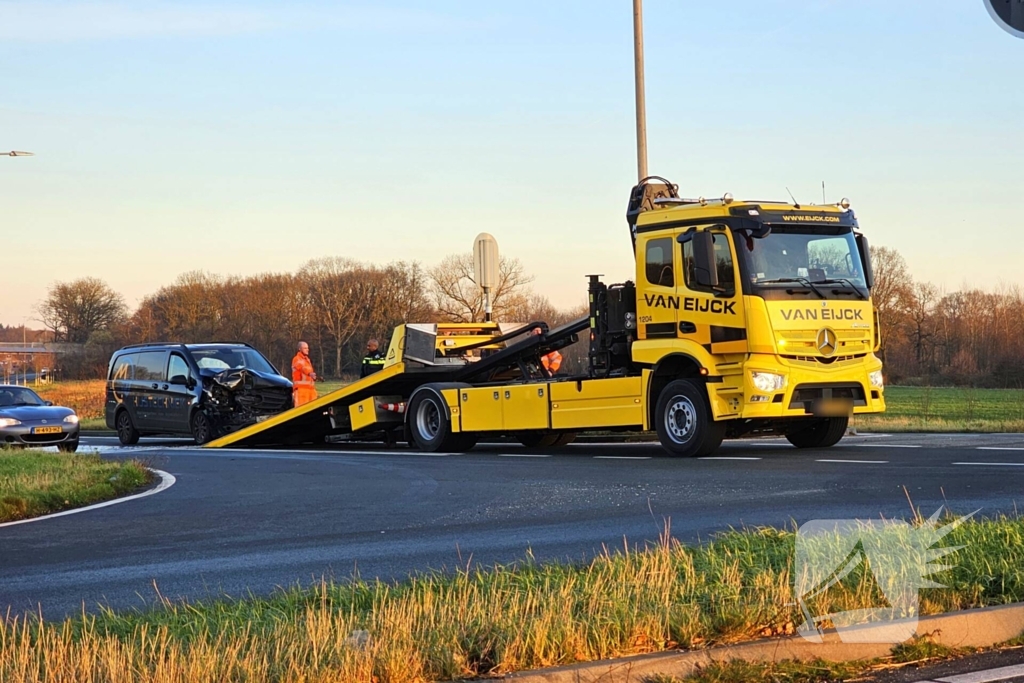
705, 270
865, 260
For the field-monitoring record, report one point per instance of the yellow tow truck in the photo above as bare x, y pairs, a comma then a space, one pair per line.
745, 318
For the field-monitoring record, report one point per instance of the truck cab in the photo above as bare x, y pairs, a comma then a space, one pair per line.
764, 307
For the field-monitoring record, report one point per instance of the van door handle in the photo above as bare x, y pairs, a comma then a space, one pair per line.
164, 387
156, 386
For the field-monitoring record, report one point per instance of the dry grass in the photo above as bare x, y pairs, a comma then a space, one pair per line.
85, 397
443, 627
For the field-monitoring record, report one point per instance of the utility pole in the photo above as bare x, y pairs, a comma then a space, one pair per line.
641, 109
16, 153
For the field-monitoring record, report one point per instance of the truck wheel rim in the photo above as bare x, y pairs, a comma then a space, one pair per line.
428, 420
680, 419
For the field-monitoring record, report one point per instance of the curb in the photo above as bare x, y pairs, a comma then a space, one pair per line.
167, 480
983, 627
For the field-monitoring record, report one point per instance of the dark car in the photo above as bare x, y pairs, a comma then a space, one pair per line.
204, 390
27, 420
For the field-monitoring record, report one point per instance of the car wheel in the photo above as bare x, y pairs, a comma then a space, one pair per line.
821, 434
202, 429
127, 434
684, 423
68, 446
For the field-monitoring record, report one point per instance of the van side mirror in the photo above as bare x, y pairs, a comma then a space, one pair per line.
865, 260
705, 270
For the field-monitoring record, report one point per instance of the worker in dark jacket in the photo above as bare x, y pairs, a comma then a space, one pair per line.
373, 361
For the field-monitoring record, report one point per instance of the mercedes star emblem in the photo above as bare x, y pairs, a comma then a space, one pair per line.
826, 341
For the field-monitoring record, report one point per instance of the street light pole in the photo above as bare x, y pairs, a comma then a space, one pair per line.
641, 109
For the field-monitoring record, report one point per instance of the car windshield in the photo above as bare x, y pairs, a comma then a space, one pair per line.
19, 396
226, 358
789, 255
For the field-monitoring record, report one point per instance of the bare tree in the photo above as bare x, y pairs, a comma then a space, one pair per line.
457, 297
337, 289
74, 310
893, 291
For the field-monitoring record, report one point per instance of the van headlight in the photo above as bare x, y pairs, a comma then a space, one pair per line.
768, 382
71, 419
9, 422
876, 379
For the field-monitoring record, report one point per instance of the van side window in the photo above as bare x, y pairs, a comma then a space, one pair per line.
124, 367
659, 262
177, 367
723, 261
152, 366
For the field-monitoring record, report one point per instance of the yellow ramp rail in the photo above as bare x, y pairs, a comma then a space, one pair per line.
308, 421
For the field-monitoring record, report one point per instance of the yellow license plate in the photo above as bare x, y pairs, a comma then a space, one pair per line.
47, 430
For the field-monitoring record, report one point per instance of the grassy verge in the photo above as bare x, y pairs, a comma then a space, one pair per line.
948, 409
442, 627
34, 483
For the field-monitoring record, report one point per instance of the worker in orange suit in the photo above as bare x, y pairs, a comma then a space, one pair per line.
303, 376
551, 361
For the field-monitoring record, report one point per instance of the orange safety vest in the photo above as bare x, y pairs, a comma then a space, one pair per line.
552, 362
303, 390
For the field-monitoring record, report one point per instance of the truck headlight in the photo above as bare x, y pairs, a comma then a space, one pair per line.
71, 419
876, 379
9, 422
768, 381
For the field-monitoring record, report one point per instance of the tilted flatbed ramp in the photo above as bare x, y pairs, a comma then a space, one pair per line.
418, 355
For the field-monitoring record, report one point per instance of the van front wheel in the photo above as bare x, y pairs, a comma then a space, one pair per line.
684, 423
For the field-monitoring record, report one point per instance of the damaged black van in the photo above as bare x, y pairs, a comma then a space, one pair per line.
203, 390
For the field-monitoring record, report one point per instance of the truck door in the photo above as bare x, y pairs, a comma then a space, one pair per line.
658, 301
713, 317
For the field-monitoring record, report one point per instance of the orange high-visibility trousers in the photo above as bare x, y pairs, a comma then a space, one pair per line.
303, 390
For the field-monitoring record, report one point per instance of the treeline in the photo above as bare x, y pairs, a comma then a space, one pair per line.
334, 304
967, 337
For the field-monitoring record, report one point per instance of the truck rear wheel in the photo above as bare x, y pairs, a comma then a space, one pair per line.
820, 433
430, 426
683, 421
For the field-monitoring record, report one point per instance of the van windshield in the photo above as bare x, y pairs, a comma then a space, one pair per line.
227, 358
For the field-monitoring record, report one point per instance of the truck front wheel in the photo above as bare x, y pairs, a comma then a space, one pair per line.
820, 433
684, 423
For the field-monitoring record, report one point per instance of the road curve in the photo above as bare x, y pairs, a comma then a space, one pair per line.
252, 520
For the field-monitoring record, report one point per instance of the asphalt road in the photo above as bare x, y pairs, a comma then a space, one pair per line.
237, 521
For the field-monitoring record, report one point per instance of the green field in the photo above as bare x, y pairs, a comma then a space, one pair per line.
949, 409
438, 627
34, 482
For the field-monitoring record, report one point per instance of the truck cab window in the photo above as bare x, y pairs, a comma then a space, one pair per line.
723, 261
659, 262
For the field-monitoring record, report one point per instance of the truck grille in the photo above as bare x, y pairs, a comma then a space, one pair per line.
824, 360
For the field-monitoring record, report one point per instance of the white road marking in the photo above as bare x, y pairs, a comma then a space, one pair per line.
166, 481
994, 464
986, 676
866, 462
885, 445
726, 457
1001, 448
622, 457
523, 455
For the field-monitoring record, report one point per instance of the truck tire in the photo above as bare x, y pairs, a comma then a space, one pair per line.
683, 420
430, 427
564, 439
820, 434
127, 434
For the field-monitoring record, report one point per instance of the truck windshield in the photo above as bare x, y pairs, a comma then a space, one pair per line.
804, 259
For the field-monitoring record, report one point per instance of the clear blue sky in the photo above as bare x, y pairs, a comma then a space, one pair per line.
245, 137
